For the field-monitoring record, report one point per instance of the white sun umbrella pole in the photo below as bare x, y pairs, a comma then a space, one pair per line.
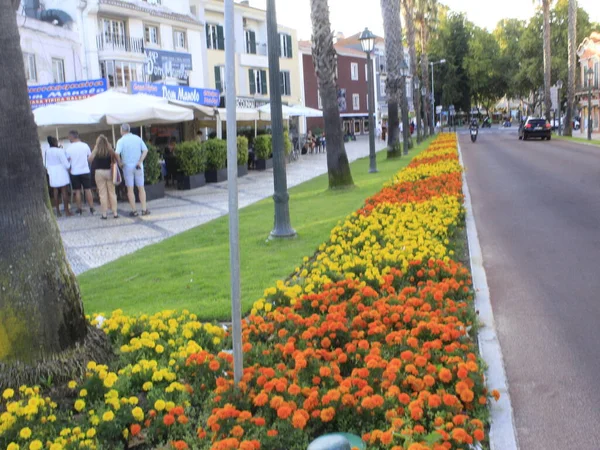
234, 238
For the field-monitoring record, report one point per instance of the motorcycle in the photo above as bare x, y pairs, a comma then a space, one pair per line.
473, 131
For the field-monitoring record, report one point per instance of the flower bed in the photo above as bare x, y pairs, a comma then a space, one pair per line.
370, 336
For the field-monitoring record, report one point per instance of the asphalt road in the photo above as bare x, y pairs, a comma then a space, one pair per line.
537, 208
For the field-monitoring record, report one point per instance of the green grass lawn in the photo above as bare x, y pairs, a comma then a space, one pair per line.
578, 139
191, 270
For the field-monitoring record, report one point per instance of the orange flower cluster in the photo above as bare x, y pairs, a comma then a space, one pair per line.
395, 362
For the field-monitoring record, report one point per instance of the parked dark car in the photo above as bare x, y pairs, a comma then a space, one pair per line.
535, 127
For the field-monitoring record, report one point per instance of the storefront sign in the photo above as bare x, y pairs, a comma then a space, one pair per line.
63, 92
161, 65
205, 97
249, 103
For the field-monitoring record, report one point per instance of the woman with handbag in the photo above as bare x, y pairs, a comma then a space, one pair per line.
105, 163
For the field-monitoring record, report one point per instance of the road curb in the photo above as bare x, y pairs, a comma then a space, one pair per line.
503, 434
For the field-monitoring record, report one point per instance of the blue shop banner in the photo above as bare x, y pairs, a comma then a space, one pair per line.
46, 94
162, 65
204, 97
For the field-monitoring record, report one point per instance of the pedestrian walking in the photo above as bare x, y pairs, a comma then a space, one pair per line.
57, 166
131, 152
104, 157
78, 153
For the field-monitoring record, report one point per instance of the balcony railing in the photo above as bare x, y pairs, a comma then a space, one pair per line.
119, 43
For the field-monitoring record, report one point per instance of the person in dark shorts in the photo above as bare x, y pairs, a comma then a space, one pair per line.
78, 153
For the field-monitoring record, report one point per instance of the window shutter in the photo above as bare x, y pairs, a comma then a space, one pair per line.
282, 82
220, 38
208, 43
253, 42
252, 82
263, 80
279, 46
289, 46
218, 81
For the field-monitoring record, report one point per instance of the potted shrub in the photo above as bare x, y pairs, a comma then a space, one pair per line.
263, 152
155, 188
242, 155
191, 163
215, 151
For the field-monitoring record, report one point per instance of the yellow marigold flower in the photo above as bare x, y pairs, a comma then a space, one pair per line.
36, 445
159, 405
72, 384
56, 446
83, 393
138, 413
268, 307
65, 432
90, 433
133, 401
25, 433
13, 446
8, 393
79, 405
108, 416
147, 386
159, 349
95, 420
216, 340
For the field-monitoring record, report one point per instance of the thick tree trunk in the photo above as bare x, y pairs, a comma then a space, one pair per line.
572, 67
409, 11
325, 61
547, 60
41, 314
395, 85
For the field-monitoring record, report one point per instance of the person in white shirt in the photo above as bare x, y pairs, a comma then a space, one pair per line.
57, 166
78, 153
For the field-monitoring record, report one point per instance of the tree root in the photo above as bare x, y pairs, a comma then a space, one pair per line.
68, 365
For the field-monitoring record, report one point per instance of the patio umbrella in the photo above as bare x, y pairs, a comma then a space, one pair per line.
265, 112
304, 111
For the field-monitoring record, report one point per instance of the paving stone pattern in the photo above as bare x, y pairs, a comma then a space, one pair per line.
91, 242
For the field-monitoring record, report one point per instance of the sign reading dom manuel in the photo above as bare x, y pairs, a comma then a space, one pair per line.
161, 65
45, 94
204, 97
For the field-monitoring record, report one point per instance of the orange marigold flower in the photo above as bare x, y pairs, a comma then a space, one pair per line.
214, 365
479, 435
496, 394
327, 414
135, 429
387, 437
183, 419
299, 419
283, 412
177, 411
406, 355
179, 445
261, 399
237, 431
260, 421
445, 375
169, 420
416, 413
325, 371
201, 433
460, 435
449, 400
434, 401
467, 396
272, 433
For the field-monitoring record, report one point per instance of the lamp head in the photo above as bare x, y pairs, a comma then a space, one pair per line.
367, 40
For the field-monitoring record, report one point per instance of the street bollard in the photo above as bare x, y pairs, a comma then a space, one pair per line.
337, 441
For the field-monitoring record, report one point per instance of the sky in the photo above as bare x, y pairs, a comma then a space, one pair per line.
352, 16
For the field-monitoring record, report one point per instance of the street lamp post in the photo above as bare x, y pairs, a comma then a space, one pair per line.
559, 85
433, 63
367, 41
418, 112
590, 78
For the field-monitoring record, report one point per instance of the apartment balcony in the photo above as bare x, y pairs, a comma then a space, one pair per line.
583, 89
120, 47
259, 59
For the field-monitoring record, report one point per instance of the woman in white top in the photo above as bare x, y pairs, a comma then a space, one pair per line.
57, 166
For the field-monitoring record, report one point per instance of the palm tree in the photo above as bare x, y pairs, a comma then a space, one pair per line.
395, 83
572, 67
325, 61
408, 7
547, 59
426, 15
43, 329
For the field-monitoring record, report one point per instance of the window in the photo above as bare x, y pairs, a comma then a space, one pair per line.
286, 88
58, 70
220, 78
382, 88
285, 45
151, 34
250, 42
179, 39
215, 38
355, 102
258, 81
154, 2
354, 71
30, 70
120, 73
114, 31
366, 72
319, 101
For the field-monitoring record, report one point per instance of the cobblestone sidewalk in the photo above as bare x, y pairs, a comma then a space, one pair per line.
91, 242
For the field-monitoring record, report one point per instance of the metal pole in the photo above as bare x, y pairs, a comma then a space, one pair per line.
232, 186
432, 102
559, 116
589, 107
372, 154
282, 227
114, 140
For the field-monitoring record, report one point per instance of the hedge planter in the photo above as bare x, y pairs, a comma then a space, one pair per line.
153, 191
187, 182
263, 164
216, 176
242, 170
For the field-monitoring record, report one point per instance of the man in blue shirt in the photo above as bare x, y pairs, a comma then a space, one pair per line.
131, 152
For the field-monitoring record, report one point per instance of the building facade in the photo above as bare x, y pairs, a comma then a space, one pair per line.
589, 58
252, 73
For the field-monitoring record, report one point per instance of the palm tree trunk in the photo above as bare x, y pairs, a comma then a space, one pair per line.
408, 8
572, 67
325, 61
428, 127
547, 60
43, 329
396, 86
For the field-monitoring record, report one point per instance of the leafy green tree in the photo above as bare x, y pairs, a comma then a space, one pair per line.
508, 34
